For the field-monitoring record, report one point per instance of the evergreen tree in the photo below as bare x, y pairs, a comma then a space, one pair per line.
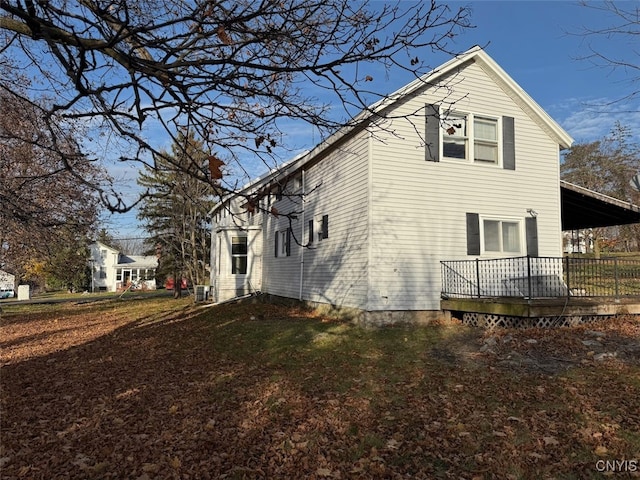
175, 211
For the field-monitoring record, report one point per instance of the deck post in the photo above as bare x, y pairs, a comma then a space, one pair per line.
529, 274
615, 276
478, 275
566, 269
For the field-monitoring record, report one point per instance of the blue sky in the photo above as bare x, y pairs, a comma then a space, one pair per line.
535, 43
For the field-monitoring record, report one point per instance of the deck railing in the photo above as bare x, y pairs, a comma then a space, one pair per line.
541, 277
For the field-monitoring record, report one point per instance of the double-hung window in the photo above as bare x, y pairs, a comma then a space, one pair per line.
238, 255
455, 138
470, 137
485, 140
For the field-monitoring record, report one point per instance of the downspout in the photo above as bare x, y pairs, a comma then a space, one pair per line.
213, 267
302, 236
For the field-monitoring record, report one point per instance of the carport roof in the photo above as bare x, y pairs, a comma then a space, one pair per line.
584, 208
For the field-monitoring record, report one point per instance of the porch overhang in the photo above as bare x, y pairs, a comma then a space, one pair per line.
584, 208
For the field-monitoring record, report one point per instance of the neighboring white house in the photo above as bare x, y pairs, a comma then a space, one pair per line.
113, 271
460, 164
578, 241
7, 281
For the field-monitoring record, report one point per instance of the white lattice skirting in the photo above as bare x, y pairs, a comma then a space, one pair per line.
488, 320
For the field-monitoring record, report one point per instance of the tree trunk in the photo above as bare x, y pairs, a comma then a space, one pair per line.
177, 283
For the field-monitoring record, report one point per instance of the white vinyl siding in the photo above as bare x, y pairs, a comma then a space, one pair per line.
419, 207
393, 215
228, 261
333, 269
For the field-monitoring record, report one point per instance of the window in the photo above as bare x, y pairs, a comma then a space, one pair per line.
319, 227
501, 236
460, 130
119, 274
324, 227
297, 183
485, 144
454, 137
103, 273
239, 255
495, 236
283, 243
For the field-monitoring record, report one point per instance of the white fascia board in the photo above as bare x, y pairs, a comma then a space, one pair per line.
475, 53
563, 139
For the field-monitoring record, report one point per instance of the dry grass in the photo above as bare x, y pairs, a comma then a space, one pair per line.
159, 389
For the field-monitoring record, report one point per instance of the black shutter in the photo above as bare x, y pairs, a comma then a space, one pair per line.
325, 226
508, 143
288, 244
310, 231
473, 234
432, 133
276, 242
531, 225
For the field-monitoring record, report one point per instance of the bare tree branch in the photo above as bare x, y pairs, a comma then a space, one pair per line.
625, 25
233, 72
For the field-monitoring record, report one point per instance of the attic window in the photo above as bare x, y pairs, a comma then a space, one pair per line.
462, 130
454, 137
485, 145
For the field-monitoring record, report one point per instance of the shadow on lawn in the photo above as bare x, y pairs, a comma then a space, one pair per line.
258, 391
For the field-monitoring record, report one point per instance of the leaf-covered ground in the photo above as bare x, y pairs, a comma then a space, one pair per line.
160, 389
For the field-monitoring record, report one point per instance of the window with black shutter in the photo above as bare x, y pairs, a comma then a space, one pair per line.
324, 227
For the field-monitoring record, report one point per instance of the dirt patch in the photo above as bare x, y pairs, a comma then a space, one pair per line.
556, 350
545, 350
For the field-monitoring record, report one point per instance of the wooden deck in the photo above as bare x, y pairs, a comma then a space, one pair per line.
539, 312
542, 307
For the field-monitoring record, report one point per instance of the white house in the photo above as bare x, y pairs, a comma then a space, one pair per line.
460, 164
113, 271
7, 281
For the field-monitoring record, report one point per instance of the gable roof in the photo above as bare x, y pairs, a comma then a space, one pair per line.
104, 245
137, 261
474, 54
478, 55
133, 261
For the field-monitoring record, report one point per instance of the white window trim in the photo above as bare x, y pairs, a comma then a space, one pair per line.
521, 234
283, 239
470, 137
237, 255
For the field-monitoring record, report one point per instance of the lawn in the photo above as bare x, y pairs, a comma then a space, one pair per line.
151, 388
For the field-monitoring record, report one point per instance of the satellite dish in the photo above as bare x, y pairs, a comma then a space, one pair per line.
635, 182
